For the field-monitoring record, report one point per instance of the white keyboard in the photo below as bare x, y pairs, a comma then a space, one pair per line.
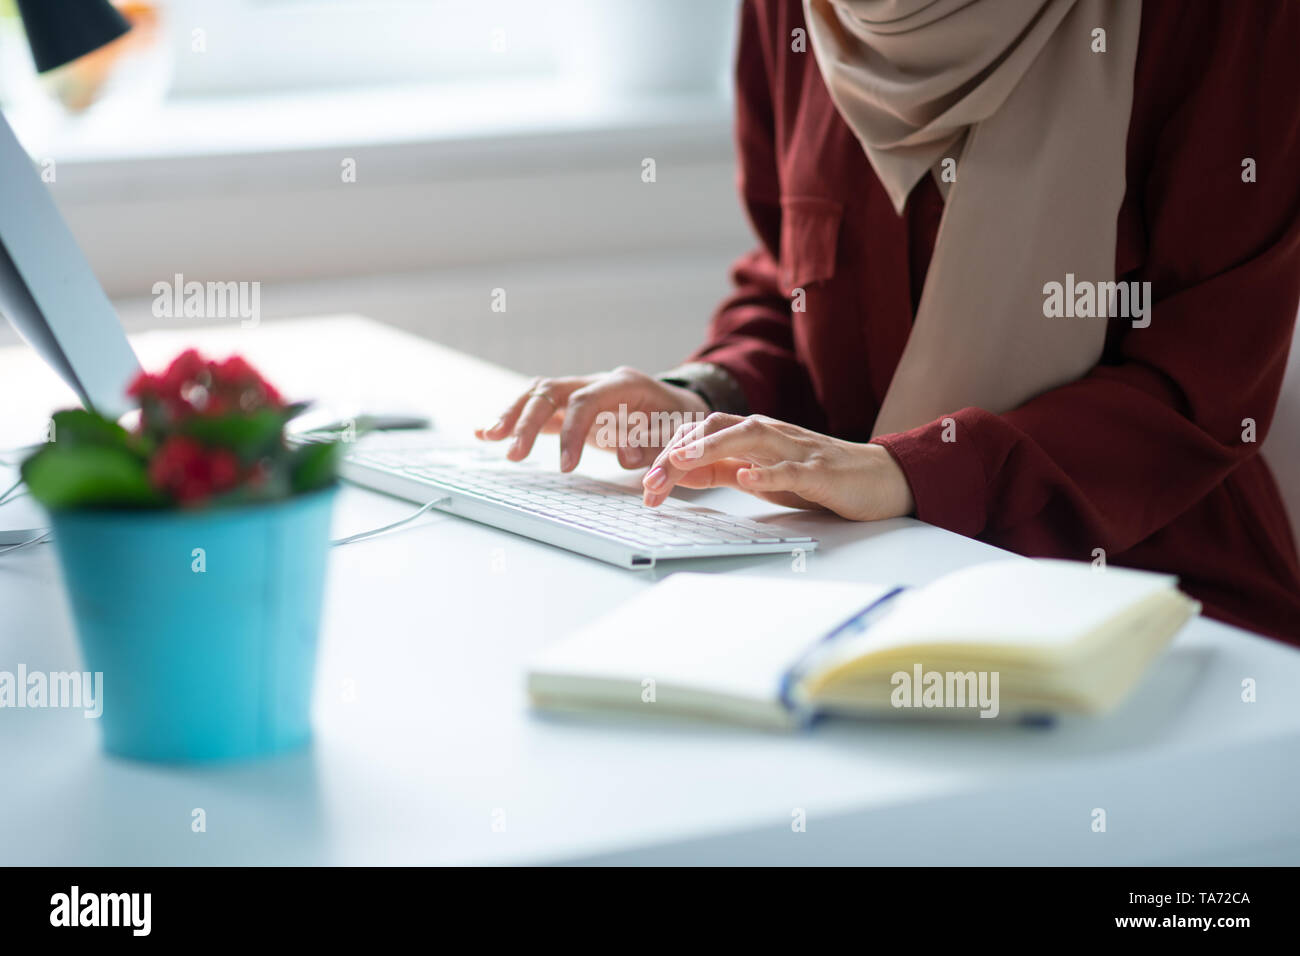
596, 518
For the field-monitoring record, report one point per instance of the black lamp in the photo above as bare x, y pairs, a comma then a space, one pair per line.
59, 31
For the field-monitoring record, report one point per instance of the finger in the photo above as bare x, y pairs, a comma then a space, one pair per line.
647, 444
545, 401
720, 474
747, 437
580, 413
632, 456
658, 481
502, 426
752, 439
781, 487
538, 410
782, 476
689, 432
671, 463
654, 445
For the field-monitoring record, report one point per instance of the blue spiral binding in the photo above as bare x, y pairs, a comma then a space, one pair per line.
854, 625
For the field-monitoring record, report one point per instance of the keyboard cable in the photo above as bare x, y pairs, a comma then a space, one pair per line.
9, 493
42, 534
362, 535
38, 534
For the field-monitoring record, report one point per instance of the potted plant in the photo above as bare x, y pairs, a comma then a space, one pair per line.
193, 548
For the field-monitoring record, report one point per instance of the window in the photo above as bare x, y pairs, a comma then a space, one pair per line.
237, 46
230, 46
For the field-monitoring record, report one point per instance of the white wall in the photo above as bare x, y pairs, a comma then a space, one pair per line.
599, 267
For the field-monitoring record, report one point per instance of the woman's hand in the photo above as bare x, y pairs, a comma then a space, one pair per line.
574, 406
784, 464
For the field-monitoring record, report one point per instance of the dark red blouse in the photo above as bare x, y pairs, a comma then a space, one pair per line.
1144, 457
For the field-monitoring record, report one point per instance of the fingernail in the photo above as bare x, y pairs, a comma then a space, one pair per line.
566, 460
634, 456
685, 452
514, 447
655, 478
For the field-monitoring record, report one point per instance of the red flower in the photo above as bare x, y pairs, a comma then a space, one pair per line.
235, 378
191, 473
192, 385
186, 368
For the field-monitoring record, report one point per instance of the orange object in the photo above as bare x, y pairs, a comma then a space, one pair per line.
79, 84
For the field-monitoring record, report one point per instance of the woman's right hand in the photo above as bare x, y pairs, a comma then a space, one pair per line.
574, 406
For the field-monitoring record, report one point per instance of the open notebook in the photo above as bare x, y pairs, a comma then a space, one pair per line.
1003, 639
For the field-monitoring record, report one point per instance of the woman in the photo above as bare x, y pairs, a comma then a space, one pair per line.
1027, 269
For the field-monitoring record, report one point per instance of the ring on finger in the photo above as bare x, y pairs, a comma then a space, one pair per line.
543, 393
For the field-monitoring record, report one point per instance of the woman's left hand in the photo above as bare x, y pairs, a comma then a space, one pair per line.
781, 463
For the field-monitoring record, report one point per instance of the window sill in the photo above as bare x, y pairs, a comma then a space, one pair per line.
253, 188
433, 131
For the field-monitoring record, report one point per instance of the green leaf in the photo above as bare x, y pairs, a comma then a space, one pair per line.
88, 476
76, 426
250, 437
313, 466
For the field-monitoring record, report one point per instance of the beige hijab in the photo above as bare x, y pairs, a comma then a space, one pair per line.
1037, 123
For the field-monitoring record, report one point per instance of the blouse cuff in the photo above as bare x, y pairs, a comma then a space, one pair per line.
945, 471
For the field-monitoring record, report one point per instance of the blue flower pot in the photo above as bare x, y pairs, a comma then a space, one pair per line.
203, 623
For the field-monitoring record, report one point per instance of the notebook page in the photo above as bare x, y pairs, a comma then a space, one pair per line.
722, 634
1039, 604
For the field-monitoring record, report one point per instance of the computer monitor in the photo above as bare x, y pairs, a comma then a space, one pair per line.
49, 293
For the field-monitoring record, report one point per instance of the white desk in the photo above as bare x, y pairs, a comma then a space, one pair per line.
434, 742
